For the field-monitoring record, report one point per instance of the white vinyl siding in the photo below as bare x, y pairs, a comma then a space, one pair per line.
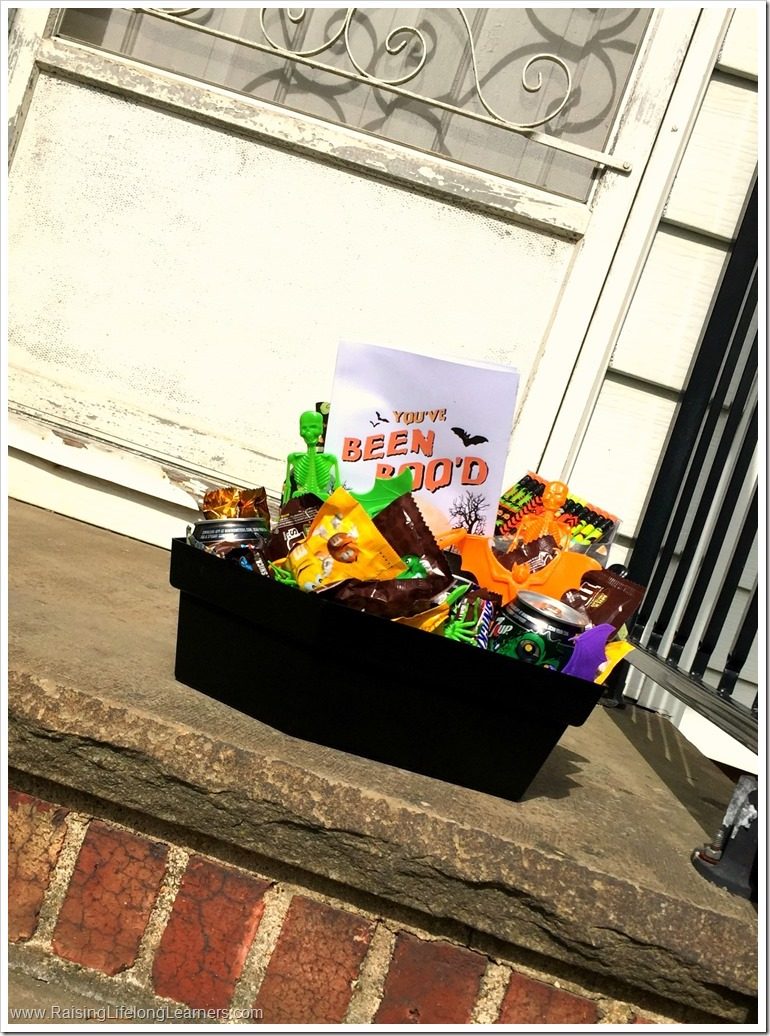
720, 160
659, 337
621, 450
667, 314
740, 52
669, 308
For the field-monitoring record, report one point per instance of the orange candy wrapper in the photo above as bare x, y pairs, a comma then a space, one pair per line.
232, 502
342, 543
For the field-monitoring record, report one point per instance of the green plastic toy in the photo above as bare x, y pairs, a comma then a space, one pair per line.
464, 629
312, 471
415, 569
384, 492
282, 576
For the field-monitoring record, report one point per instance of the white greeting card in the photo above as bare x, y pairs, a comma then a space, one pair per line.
448, 420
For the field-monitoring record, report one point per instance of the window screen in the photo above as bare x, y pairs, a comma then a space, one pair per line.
561, 71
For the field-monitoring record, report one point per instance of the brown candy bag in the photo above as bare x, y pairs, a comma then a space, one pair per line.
606, 596
292, 526
405, 529
535, 555
403, 526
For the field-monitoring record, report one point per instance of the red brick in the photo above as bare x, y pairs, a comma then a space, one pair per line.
109, 900
432, 983
315, 962
530, 1002
36, 832
215, 916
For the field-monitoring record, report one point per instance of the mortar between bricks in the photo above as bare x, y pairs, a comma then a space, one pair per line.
253, 974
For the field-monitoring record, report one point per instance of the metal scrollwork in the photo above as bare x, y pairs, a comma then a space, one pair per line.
530, 88
407, 32
395, 43
178, 12
296, 17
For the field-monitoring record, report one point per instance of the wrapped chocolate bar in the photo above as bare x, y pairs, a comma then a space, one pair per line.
247, 555
424, 569
242, 540
606, 596
292, 526
471, 617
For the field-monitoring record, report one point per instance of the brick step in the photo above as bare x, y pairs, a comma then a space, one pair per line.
211, 940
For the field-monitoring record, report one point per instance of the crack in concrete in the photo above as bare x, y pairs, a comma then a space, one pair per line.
265, 825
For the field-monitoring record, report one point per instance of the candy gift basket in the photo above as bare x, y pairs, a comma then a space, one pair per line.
342, 618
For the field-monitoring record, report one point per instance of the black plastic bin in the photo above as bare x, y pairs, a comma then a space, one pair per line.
328, 674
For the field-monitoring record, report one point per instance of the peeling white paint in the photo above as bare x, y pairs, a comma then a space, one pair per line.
260, 120
194, 285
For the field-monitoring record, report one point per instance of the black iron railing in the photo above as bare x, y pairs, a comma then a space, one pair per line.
696, 545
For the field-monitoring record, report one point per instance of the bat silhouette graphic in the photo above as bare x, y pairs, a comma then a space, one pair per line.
379, 419
469, 440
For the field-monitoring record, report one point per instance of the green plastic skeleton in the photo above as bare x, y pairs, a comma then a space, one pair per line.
464, 626
311, 471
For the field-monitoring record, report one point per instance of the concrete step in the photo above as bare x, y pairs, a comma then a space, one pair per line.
592, 869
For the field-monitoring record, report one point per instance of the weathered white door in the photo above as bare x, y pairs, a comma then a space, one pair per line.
184, 260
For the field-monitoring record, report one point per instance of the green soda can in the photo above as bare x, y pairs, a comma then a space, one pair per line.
537, 629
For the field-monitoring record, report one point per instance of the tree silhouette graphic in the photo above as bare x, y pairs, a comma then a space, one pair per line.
467, 511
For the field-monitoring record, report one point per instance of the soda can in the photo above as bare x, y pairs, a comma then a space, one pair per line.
242, 540
537, 629
231, 530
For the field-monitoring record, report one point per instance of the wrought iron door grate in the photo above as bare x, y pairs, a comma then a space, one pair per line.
696, 546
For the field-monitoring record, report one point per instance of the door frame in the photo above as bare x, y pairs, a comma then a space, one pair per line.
616, 224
